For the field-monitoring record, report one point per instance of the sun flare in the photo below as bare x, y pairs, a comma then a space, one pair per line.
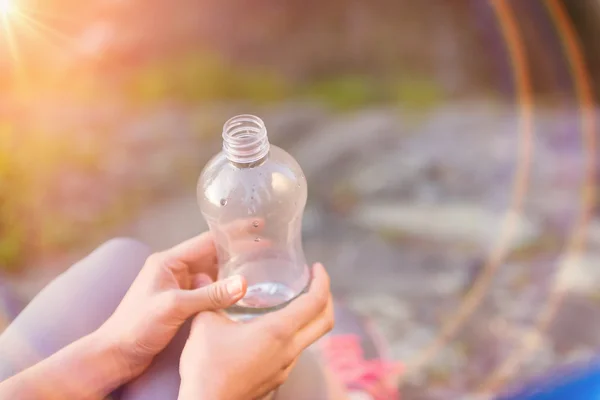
6, 7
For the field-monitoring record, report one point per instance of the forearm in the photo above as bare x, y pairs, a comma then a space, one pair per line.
89, 368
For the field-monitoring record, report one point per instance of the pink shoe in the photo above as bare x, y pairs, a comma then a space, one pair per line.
354, 355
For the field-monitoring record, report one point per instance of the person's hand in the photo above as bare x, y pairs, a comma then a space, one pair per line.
172, 286
229, 360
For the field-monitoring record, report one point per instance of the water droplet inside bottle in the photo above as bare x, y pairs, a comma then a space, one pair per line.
255, 224
257, 239
223, 202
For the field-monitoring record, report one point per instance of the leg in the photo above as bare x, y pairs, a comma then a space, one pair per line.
73, 305
161, 379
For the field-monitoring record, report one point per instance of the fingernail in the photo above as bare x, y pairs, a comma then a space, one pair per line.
234, 285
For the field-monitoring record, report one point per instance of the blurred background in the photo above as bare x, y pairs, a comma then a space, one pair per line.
449, 147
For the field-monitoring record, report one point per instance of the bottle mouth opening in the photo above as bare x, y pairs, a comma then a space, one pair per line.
245, 139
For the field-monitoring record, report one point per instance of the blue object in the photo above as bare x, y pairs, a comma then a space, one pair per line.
575, 383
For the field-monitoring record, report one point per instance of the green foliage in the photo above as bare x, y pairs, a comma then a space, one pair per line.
344, 92
416, 93
354, 91
148, 85
12, 247
204, 78
13, 188
30, 163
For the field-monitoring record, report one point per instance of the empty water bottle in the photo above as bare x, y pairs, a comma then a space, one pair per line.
252, 195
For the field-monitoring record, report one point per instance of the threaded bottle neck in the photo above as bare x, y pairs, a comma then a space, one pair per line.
245, 139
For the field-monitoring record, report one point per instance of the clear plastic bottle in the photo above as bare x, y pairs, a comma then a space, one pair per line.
252, 195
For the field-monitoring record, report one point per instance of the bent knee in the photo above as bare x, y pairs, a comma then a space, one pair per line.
120, 244
122, 248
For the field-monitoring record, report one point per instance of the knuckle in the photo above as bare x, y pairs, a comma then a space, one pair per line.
171, 263
155, 259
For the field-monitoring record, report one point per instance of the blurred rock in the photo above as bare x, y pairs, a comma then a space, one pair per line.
289, 123
593, 233
381, 305
388, 173
351, 136
579, 273
169, 223
449, 222
575, 325
413, 341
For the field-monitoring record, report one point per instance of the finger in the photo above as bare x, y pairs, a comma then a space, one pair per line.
198, 253
306, 307
216, 296
201, 280
208, 319
316, 329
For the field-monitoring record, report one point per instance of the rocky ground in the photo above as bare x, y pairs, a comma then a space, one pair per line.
454, 230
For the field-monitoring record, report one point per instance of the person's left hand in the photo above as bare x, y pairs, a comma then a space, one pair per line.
223, 359
170, 288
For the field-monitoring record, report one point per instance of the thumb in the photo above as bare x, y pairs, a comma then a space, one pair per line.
212, 297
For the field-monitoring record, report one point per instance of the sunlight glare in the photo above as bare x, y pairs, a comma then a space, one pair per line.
6, 7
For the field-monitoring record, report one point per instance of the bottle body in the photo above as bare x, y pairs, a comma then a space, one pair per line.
253, 207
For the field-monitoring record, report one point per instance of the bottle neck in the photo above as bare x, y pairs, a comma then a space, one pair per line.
245, 139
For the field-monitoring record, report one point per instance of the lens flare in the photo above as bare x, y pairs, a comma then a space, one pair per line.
6, 7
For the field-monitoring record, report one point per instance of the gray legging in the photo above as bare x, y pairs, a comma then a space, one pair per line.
78, 301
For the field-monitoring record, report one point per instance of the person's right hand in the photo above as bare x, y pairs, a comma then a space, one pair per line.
229, 360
